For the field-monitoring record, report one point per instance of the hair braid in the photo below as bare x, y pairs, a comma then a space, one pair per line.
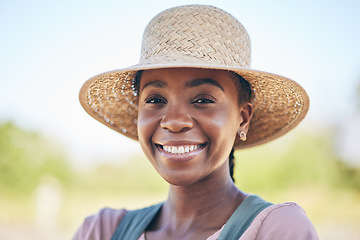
231, 164
244, 96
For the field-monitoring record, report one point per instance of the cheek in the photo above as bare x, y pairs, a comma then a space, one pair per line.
144, 135
145, 125
222, 128
224, 122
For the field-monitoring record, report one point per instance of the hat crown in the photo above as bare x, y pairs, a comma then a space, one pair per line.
196, 34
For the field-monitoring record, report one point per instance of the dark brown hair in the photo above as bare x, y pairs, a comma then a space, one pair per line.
244, 97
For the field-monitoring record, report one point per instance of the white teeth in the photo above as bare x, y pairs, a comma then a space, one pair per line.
187, 149
180, 149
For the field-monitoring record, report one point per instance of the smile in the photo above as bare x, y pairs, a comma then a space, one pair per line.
181, 149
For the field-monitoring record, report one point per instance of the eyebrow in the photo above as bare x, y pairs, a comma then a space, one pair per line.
201, 81
156, 83
192, 83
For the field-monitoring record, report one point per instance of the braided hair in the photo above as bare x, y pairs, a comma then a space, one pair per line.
231, 164
244, 97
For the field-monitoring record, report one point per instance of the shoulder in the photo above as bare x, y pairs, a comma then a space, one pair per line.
281, 221
101, 225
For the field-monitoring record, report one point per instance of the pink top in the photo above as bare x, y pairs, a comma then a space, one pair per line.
285, 221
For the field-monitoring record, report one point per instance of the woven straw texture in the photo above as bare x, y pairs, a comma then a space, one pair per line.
197, 36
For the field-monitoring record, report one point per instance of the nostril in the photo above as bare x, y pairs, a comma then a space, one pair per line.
176, 129
177, 123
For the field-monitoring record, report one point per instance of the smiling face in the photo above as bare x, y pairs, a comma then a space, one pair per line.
188, 120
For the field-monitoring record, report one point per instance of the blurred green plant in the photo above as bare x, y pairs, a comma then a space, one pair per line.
304, 159
25, 157
307, 159
134, 176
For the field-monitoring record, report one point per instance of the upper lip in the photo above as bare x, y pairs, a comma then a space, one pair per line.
179, 143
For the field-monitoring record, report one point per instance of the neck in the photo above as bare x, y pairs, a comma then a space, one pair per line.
192, 200
208, 203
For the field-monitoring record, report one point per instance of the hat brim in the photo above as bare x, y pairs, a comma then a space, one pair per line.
279, 103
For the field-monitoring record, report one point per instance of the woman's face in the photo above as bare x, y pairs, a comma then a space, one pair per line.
188, 120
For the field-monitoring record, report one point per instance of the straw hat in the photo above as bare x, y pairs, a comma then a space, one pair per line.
198, 36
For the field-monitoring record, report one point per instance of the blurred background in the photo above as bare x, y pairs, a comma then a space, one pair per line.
58, 165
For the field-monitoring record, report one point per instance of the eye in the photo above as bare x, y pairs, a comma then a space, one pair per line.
154, 99
204, 100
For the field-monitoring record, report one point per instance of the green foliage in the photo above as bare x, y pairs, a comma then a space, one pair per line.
303, 160
307, 159
350, 176
26, 157
134, 177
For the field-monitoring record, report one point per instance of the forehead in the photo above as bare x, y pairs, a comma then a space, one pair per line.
189, 77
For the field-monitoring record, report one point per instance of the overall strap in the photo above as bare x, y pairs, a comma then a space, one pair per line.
243, 216
135, 222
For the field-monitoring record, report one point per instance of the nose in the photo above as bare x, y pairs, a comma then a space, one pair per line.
177, 119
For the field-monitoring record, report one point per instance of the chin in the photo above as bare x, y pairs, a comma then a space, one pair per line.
179, 179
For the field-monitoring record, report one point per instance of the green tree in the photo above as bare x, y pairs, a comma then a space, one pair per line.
25, 157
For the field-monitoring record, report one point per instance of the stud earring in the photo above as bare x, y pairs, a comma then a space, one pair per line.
242, 136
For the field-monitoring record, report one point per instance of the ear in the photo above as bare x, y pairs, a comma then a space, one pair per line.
246, 113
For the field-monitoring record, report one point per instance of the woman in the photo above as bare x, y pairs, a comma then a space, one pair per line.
190, 102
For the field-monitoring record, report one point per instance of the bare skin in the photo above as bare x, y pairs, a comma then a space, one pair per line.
189, 215
197, 113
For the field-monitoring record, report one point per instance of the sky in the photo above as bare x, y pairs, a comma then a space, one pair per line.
48, 49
